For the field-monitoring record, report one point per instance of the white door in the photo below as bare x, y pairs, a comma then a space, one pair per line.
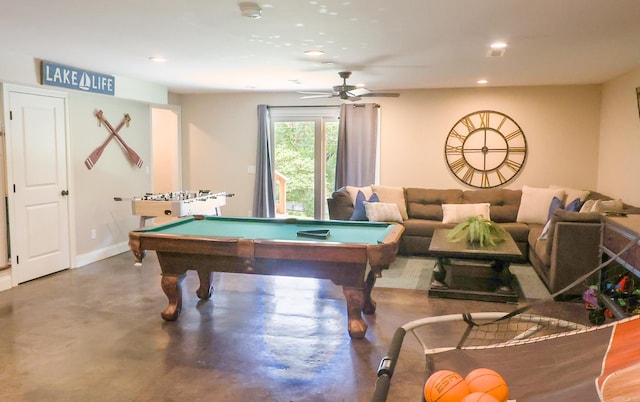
37, 182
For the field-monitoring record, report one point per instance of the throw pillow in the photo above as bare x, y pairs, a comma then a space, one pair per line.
535, 203
353, 192
587, 206
574, 206
611, 206
555, 204
394, 195
359, 212
382, 212
456, 213
572, 193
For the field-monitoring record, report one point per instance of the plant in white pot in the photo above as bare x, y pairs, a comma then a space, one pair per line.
478, 229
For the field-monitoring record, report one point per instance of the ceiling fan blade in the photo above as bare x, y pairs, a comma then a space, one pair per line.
318, 96
382, 95
315, 93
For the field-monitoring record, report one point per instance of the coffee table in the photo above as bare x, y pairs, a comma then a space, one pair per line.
465, 270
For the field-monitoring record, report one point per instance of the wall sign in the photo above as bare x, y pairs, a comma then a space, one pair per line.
76, 78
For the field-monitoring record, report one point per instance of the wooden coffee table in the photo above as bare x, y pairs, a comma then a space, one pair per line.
467, 271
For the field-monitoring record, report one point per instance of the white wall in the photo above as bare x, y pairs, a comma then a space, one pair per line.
561, 124
620, 139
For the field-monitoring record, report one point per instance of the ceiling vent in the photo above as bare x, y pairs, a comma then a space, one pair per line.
496, 52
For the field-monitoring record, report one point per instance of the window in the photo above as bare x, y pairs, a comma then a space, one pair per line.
305, 141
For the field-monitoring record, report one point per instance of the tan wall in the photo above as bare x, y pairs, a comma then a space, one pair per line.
561, 124
619, 164
93, 190
113, 175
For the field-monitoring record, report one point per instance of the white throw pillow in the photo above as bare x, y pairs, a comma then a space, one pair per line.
588, 206
535, 203
353, 192
572, 193
392, 194
382, 212
456, 213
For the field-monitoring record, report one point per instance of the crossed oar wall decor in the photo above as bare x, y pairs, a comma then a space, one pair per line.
114, 133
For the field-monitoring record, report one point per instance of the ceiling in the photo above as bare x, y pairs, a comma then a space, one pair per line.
388, 44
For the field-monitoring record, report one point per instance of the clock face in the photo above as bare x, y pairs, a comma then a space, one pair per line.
485, 149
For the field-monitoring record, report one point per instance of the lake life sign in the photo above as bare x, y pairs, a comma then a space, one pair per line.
76, 78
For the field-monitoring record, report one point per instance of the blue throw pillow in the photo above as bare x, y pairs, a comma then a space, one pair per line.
359, 213
574, 206
555, 204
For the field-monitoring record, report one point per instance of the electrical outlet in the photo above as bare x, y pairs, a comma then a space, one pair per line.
93, 234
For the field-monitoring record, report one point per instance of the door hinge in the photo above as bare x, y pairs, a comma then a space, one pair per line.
10, 115
17, 259
14, 188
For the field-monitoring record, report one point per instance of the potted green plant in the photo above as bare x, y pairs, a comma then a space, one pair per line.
477, 229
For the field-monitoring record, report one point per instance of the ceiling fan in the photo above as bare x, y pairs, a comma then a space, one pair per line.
347, 92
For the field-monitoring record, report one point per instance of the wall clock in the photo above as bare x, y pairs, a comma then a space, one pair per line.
485, 149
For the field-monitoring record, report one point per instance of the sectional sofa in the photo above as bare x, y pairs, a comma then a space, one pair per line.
560, 244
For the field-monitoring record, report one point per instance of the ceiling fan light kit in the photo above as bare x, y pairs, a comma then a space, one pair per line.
347, 92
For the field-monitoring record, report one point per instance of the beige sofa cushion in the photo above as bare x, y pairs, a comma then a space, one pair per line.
535, 203
392, 195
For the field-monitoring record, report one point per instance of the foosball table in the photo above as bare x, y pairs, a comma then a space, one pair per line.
177, 204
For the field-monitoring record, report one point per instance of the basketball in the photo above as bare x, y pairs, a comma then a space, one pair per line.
479, 397
488, 381
445, 386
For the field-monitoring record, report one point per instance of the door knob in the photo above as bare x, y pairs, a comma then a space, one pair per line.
65, 192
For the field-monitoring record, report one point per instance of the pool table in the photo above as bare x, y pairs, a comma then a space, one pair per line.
352, 256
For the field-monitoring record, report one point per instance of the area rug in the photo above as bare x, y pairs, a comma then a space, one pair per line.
415, 273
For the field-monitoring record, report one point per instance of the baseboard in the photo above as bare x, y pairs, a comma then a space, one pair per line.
5, 279
101, 254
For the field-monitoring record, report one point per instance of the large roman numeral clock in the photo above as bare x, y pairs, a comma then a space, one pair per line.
485, 149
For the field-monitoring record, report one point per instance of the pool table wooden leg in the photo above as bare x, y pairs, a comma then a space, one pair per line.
355, 303
370, 304
206, 279
172, 287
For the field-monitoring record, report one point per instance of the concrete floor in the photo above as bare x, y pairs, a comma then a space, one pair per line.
95, 334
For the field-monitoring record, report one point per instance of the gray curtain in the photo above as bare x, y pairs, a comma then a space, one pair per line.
264, 202
357, 145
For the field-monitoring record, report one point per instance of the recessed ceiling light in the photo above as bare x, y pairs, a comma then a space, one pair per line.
250, 10
314, 52
482, 82
498, 45
158, 59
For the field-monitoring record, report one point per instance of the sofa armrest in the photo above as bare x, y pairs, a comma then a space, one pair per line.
340, 206
575, 251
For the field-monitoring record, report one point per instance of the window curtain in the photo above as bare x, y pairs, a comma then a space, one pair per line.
264, 202
357, 145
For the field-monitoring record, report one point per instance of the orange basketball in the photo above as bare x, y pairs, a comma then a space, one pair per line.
479, 397
445, 386
488, 381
